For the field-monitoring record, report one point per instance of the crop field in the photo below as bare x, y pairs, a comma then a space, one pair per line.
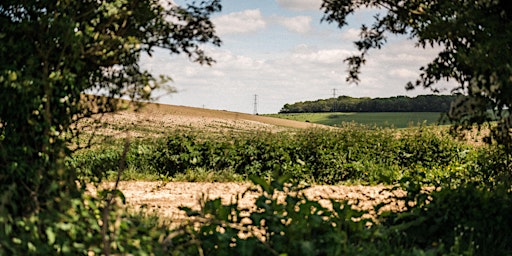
379, 119
233, 184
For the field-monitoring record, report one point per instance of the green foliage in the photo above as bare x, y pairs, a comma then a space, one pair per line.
80, 230
352, 153
466, 214
469, 220
474, 37
284, 222
421, 103
204, 175
104, 161
51, 54
494, 166
427, 148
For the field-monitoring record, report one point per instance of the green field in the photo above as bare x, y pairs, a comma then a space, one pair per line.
380, 119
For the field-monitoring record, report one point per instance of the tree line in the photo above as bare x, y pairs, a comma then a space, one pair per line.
421, 103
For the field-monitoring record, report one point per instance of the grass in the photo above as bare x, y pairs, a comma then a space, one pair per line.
379, 119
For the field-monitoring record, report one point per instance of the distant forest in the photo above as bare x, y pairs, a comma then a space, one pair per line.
421, 103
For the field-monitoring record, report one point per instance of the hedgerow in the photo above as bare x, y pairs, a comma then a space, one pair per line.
350, 154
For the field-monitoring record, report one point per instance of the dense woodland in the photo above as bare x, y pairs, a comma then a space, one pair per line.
421, 103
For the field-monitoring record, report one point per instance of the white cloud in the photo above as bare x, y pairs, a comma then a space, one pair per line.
300, 5
325, 56
239, 22
404, 73
300, 71
228, 61
405, 52
351, 34
299, 24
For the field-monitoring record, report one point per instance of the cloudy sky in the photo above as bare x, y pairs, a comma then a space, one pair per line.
281, 52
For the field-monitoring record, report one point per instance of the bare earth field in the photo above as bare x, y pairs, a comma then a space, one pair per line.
165, 198
154, 119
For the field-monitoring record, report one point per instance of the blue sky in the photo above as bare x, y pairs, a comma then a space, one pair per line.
281, 52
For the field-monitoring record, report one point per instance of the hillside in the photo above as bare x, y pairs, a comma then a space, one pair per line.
156, 119
208, 116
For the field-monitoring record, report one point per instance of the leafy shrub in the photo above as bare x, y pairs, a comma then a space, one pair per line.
469, 219
427, 148
95, 164
494, 165
87, 226
460, 218
352, 153
284, 222
355, 153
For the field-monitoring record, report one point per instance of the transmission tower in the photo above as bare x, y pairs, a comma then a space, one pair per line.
255, 104
334, 100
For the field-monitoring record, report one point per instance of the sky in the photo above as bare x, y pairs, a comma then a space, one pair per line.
276, 52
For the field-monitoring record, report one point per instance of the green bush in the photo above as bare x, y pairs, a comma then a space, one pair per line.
494, 166
88, 225
350, 154
469, 219
467, 216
